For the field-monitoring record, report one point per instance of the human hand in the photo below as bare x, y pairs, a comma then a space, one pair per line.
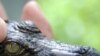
31, 11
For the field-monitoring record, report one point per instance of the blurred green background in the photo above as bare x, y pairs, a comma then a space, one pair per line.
72, 21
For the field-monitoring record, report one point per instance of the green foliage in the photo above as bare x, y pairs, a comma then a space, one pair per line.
74, 21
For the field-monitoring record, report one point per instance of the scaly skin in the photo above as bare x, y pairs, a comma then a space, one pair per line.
25, 39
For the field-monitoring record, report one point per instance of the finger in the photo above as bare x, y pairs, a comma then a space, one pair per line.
32, 12
3, 30
2, 12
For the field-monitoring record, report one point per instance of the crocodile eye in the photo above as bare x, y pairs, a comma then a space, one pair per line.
12, 48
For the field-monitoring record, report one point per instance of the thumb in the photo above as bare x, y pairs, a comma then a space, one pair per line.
3, 30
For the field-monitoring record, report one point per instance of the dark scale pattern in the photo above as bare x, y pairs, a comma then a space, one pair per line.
30, 42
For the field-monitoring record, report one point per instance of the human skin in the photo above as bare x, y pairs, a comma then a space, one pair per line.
31, 11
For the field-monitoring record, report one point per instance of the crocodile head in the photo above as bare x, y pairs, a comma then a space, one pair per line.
25, 39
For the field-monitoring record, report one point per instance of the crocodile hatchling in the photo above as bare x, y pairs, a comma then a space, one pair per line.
25, 39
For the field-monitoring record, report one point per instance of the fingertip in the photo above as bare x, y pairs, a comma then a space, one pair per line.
32, 12
3, 30
29, 10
